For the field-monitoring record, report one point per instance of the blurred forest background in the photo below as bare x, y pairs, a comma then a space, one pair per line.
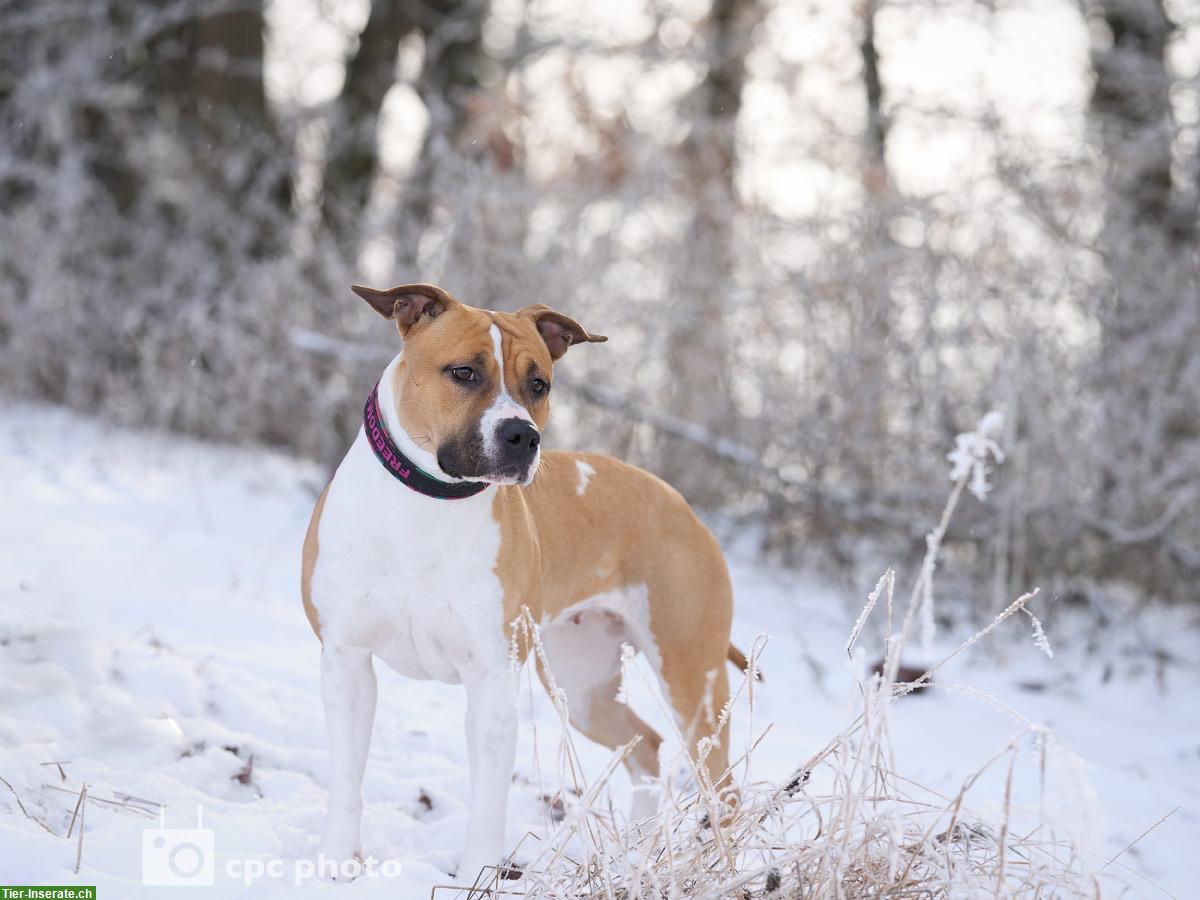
824, 237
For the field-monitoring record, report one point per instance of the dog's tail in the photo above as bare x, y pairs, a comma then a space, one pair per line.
738, 658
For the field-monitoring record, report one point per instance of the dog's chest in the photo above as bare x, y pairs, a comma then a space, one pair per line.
410, 577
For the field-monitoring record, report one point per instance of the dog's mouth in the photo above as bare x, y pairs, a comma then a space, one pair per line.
522, 475
508, 475
501, 478
465, 460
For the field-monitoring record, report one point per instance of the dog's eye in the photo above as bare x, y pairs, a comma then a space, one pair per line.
463, 373
538, 387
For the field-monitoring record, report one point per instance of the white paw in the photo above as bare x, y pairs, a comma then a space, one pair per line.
339, 861
471, 872
646, 801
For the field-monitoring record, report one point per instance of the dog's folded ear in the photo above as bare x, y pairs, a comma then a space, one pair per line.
408, 303
558, 331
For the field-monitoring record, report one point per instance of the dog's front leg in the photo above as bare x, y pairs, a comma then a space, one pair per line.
491, 746
348, 689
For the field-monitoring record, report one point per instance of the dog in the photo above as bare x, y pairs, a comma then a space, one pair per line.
446, 519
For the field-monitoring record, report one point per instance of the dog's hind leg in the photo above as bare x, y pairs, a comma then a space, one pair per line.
348, 690
608, 721
693, 607
699, 695
583, 650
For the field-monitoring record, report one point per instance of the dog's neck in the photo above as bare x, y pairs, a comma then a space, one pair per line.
396, 450
424, 458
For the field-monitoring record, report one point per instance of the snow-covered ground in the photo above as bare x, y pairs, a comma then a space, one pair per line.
152, 640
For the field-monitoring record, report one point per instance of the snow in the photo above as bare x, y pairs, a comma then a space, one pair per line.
152, 637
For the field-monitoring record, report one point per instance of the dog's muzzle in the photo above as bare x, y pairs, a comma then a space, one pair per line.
517, 443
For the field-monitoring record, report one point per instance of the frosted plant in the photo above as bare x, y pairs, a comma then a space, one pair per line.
888, 581
1039, 635
968, 470
971, 451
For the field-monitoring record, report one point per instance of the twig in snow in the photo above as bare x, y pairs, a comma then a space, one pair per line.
1139, 837
138, 802
21, 805
82, 814
122, 801
59, 763
75, 814
245, 775
16, 797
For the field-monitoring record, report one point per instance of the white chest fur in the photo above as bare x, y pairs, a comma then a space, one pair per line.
409, 577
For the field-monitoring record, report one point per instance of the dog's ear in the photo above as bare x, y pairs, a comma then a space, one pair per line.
558, 331
408, 303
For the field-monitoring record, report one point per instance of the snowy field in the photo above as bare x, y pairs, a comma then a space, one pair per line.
152, 641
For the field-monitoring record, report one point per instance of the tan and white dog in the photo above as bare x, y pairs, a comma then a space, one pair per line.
446, 518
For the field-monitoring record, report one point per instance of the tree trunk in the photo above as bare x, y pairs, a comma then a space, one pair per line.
468, 180
1131, 108
206, 73
353, 157
704, 286
1149, 316
451, 73
866, 429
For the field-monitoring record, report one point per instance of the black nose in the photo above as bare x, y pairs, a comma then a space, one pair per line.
518, 436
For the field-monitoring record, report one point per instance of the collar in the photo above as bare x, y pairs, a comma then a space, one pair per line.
401, 467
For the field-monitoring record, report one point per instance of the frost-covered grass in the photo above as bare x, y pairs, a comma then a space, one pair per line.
151, 640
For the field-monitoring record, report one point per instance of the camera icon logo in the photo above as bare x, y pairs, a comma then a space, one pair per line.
178, 856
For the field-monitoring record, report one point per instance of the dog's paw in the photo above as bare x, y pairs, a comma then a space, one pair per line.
337, 862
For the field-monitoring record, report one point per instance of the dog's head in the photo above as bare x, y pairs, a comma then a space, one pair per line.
473, 385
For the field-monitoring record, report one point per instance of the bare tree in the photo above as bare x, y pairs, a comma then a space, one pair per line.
704, 283
871, 323
353, 156
449, 76
1149, 314
206, 72
453, 59
1132, 109
468, 187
